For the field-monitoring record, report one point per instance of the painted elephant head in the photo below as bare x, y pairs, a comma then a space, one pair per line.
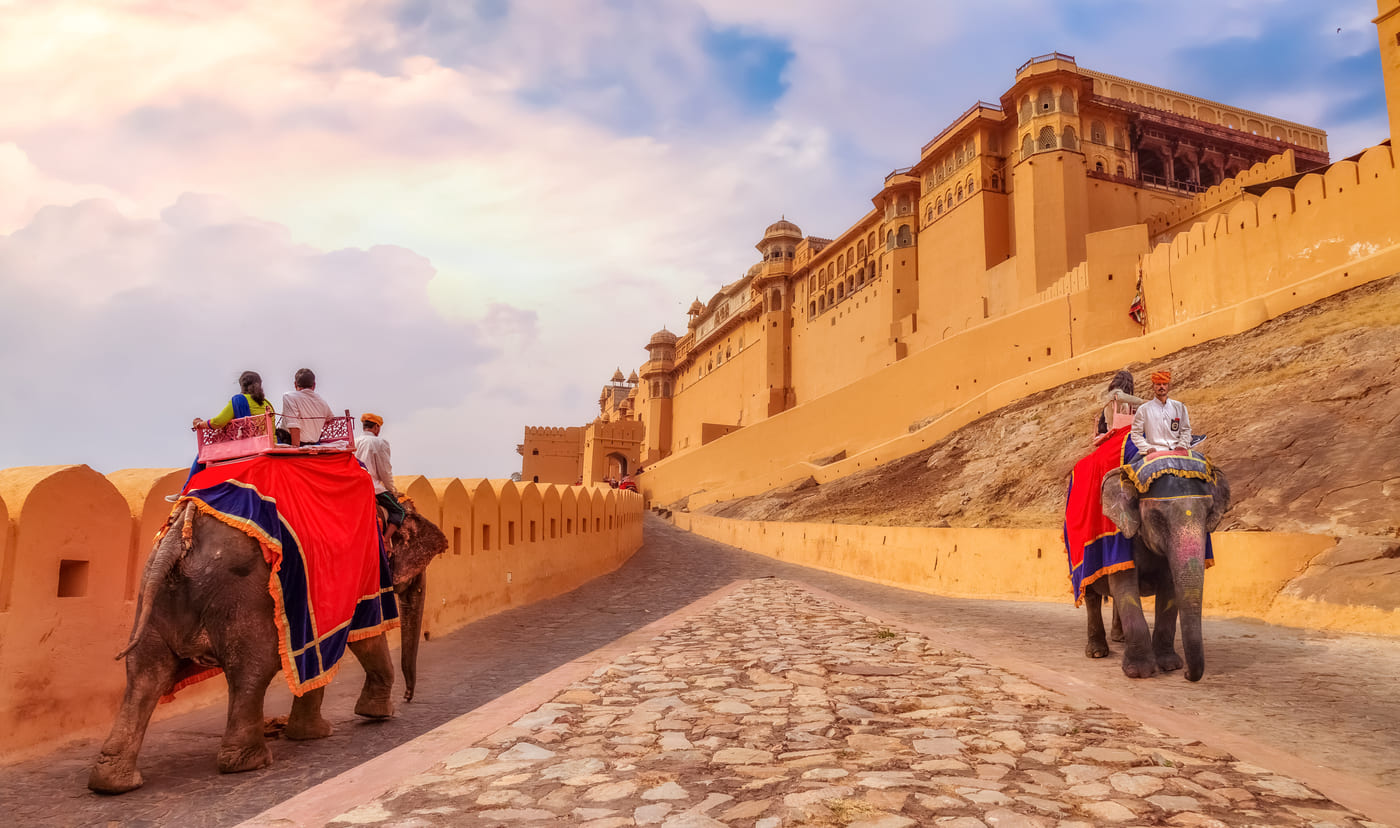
1173, 519
418, 542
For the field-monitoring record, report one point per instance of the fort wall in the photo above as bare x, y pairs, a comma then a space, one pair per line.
1256, 575
73, 545
1222, 275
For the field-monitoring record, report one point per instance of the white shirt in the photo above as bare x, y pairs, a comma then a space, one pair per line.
1161, 426
305, 410
374, 453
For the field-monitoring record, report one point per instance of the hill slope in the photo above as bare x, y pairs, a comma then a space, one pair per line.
1302, 413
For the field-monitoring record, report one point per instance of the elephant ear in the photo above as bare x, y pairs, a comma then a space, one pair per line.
1219, 501
1120, 503
420, 541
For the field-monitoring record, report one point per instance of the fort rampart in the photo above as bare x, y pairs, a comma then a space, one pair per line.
1300, 242
1282, 578
73, 544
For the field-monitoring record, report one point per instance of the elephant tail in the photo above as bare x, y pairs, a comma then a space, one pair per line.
169, 551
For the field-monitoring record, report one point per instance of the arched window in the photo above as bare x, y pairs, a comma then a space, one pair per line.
928, 217
1026, 111
1071, 141
840, 262
656, 388
960, 192
1120, 170
1027, 147
889, 241
821, 302
850, 283
860, 276
860, 248
939, 206
1067, 101
1098, 165
905, 237
996, 182
1045, 101
777, 298
727, 352
665, 389
971, 185
811, 284
948, 198
1097, 133
870, 242
1118, 137
811, 309
1047, 138
830, 297
840, 290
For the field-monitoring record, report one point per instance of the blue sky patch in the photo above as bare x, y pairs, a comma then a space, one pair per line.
750, 65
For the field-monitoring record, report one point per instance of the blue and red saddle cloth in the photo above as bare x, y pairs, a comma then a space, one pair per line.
314, 517
1095, 546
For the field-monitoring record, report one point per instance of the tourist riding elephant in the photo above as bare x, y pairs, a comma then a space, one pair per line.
1170, 525
204, 601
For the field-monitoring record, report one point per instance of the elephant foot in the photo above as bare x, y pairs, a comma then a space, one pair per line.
1167, 662
244, 758
1096, 649
1139, 668
302, 730
374, 705
113, 775
408, 693
1117, 635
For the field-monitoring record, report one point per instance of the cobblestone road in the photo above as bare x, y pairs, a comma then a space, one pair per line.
1327, 698
776, 708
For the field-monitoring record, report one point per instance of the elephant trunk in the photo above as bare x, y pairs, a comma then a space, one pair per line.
1189, 576
169, 552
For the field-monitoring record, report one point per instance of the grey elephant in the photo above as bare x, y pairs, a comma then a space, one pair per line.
1169, 525
204, 600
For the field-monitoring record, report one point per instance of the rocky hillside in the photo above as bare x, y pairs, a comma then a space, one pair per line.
1302, 413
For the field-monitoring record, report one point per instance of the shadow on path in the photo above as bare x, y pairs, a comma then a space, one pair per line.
1328, 698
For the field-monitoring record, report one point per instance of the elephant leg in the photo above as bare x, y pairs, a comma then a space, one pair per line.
1116, 634
411, 597
1093, 606
1164, 632
375, 701
150, 672
243, 747
1138, 661
305, 721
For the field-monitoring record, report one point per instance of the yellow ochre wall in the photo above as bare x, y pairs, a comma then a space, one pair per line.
1249, 579
73, 545
1220, 276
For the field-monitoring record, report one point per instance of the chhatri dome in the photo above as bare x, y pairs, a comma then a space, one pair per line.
662, 337
782, 229
632, 378
696, 307
617, 376
755, 270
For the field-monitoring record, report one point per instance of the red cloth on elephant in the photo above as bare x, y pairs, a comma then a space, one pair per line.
1094, 544
314, 517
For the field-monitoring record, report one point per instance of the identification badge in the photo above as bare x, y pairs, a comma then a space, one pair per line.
1176, 424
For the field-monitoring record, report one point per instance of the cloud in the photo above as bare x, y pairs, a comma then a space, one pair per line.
129, 328
530, 189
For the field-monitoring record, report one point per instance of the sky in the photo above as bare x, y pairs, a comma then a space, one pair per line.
465, 215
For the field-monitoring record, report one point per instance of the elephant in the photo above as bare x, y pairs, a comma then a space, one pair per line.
418, 542
1169, 527
204, 600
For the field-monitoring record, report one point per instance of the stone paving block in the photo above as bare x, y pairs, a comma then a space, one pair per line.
1036, 762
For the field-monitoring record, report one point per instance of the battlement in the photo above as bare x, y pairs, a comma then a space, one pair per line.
551, 431
1278, 167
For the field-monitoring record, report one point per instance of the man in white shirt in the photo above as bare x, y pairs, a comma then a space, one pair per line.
373, 451
304, 413
1161, 424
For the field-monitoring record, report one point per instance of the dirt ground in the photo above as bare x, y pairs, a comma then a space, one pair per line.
1302, 414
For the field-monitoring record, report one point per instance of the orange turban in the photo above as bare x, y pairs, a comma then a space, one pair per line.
379, 421
1161, 377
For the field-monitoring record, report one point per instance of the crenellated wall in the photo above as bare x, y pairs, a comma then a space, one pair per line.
1302, 240
73, 545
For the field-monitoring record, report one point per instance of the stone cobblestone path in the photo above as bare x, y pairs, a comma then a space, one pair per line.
1327, 699
775, 708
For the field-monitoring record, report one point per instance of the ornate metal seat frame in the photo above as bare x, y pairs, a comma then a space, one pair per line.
251, 436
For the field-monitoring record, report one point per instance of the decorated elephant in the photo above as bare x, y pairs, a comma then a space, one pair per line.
205, 603
1167, 506
418, 542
